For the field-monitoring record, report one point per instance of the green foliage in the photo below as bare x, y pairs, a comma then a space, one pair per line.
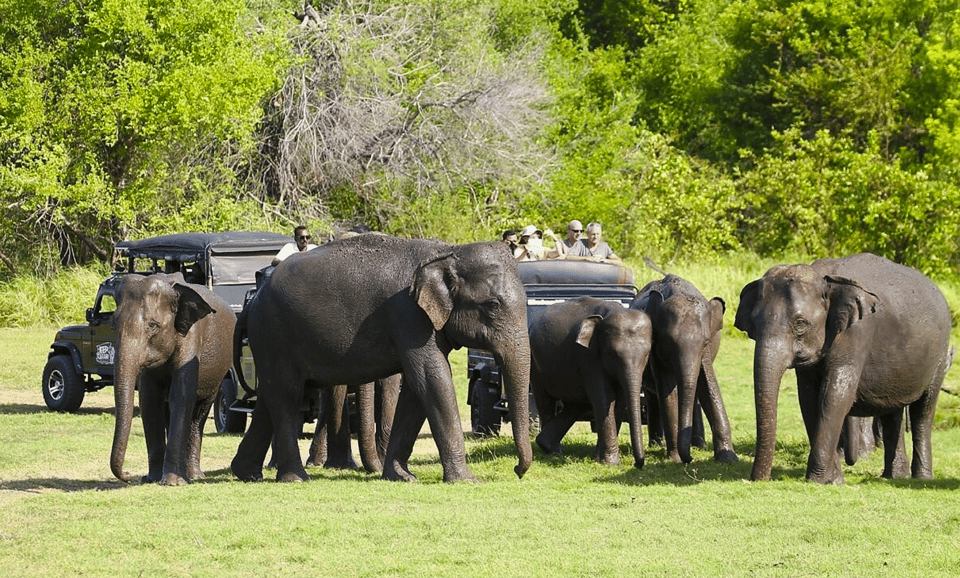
822, 197
114, 110
30, 301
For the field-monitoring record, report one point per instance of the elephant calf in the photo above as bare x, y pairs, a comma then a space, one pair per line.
686, 338
174, 344
589, 354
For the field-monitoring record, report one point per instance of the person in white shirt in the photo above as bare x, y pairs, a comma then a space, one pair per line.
301, 242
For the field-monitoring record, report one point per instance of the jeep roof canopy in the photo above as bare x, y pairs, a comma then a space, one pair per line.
225, 262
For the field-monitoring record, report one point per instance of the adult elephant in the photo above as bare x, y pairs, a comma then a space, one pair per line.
368, 307
174, 346
376, 405
866, 336
686, 339
589, 354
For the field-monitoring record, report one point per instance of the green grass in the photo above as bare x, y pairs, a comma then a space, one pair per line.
65, 515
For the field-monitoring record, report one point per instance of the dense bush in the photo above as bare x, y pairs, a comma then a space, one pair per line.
687, 128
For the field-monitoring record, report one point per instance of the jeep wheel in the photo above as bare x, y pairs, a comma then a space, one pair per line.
62, 387
228, 421
484, 417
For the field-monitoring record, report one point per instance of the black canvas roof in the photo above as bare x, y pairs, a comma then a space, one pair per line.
193, 246
573, 272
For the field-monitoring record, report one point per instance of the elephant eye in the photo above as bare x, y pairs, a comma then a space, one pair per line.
153, 326
800, 326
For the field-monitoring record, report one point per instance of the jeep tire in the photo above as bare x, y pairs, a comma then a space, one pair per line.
62, 386
484, 417
228, 421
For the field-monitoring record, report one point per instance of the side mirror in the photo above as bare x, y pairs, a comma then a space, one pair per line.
90, 316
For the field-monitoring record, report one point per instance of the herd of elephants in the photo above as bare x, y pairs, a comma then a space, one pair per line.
867, 338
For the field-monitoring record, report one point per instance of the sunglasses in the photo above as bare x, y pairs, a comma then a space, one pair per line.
304, 237
575, 230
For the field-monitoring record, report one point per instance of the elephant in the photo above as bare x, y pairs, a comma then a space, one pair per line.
371, 306
590, 354
376, 405
686, 339
174, 346
866, 337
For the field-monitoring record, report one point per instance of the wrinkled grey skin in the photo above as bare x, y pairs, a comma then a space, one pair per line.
590, 354
368, 307
377, 403
866, 336
174, 344
686, 338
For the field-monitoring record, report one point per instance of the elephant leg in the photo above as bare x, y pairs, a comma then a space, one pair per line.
808, 381
197, 422
668, 396
182, 398
407, 424
551, 430
247, 464
339, 449
698, 438
708, 392
388, 393
152, 413
895, 464
921, 414
603, 400
555, 429
431, 382
317, 454
836, 399
367, 434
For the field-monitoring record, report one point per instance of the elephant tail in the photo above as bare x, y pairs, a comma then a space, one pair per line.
239, 334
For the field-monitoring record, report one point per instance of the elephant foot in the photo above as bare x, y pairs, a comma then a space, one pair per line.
833, 476
726, 456
549, 446
453, 475
397, 472
171, 479
151, 478
607, 459
347, 464
245, 473
292, 477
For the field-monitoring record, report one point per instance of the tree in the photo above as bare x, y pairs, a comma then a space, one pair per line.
116, 116
392, 107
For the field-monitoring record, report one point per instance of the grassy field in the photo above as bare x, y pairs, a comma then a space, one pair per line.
65, 515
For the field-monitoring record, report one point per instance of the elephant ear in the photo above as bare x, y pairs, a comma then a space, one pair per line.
431, 289
849, 304
586, 330
191, 307
717, 308
748, 300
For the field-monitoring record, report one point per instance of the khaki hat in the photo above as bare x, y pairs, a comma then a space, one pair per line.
529, 230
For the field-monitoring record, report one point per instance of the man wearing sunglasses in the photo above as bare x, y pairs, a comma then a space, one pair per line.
301, 238
574, 231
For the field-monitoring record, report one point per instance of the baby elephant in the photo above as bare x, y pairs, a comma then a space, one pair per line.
175, 347
589, 354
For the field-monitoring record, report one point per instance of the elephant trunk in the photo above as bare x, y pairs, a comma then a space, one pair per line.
634, 387
513, 358
123, 394
768, 370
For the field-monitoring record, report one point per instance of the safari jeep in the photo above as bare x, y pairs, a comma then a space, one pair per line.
545, 283
81, 356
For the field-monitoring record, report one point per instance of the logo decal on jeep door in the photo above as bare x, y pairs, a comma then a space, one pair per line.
105, 354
